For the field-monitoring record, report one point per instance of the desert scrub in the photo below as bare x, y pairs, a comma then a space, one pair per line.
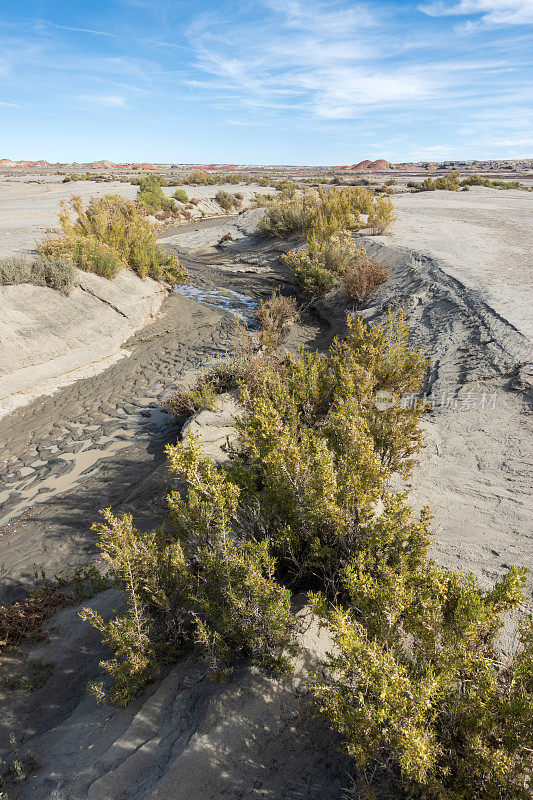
324, 262
204, 178
363, 276
181, 195
478, 180
56, 273
226, 200
381, 216
274, 318
318, 265
111, 233
326, 212
198, 584
316, 452
24, 620
415, 683
19, 767
449, 182
151, 194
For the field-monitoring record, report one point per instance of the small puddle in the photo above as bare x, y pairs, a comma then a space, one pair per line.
240, 305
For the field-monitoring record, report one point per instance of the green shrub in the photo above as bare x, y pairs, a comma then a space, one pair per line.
56, 273
285, 217
111, 232
381, 215
201, 177
478, 180
317, 450
87, 253
322, 263
449, 182
197, 584
225, 200
325, 212
415, 683
317, 266
181, 195
151, 194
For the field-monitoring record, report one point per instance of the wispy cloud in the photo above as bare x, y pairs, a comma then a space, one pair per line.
332, 62
105, 100
493, 12
81, 30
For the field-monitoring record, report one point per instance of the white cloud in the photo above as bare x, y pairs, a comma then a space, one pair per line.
493, 12
106, 100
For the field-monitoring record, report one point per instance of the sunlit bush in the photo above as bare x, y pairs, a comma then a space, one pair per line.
112, 232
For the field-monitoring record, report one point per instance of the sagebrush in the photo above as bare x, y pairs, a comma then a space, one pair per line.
111, 233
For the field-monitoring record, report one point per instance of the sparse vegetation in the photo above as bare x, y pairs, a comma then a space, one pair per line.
226, 200
24, 620
151, 194
56, 273
326, 212
449, 182
274, 317
181, 195
18, 768
362, 277
204, 178
478, 180
323, 263
111, 233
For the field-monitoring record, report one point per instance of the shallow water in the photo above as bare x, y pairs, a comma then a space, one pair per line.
240, 305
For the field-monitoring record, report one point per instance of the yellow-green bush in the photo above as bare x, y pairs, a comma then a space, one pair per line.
449, 182
198, 584
381, 215
87, 253
324, 262
151, 194
111, 232
414, 681
326, 212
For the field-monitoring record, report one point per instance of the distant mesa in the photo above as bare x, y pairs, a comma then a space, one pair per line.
381, 165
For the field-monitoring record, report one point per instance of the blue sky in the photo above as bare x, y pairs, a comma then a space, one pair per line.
272, 81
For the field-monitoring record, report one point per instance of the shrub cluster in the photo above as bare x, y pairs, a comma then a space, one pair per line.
323, 263
201, 177
56, 272
326, 212
151, 194
478, 180
449, 182
111, 233
414, 682
181, 195
228, 201
274, 318
88, 176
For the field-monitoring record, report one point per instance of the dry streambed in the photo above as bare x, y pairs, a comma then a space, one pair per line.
253, 736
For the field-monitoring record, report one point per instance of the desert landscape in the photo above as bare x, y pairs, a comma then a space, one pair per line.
98, 379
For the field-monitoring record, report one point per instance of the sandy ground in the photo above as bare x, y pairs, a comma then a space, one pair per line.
253, 737
485, 235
